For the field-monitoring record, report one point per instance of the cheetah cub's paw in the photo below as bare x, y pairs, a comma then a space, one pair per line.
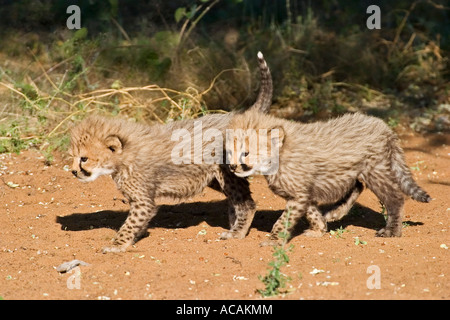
387, 232
113, 249
271, 242
313, 233
231, 235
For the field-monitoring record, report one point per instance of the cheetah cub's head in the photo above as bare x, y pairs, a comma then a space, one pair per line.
253, 151
94, 149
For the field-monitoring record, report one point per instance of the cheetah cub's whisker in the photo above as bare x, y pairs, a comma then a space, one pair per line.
322, 163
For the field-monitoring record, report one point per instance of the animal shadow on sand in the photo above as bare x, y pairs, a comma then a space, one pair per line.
214, 214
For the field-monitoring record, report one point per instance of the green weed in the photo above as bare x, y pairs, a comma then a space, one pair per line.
338, 233
275, 281
359, 241
12, 138
416, 167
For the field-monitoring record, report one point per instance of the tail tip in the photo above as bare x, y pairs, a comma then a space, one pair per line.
260, 55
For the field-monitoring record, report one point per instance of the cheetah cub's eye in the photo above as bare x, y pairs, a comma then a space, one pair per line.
84, 159
112, 149
245, 154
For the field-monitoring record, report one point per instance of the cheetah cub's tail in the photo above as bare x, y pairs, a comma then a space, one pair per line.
403, 174
264, 100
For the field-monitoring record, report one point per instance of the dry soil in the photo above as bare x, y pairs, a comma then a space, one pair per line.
47, 217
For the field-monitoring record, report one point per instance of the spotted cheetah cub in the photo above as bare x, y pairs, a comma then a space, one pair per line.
323, 162
140, 159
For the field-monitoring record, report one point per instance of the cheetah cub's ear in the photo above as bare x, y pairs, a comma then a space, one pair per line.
276, 136
114, 144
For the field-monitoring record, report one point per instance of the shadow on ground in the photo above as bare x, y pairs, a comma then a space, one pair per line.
214, 214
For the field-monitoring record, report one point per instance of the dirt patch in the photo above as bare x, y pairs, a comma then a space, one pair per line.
47, 217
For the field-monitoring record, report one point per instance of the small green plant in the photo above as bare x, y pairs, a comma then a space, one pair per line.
11, 140
275, 280
392, 122
359, 242
416, 167
338, 232
191, 17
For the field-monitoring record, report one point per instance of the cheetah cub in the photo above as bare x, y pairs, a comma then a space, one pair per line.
323, 162
140, 159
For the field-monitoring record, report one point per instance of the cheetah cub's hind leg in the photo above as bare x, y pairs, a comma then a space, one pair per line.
344, 206
317, 222
389, 193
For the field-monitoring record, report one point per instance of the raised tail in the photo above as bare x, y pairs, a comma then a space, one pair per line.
264, 100
403, 174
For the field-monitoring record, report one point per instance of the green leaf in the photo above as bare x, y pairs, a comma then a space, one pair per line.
192, 12
80, 34
180, 13
116, 85
114, 5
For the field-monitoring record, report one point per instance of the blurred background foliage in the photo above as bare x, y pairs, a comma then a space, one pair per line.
156, 60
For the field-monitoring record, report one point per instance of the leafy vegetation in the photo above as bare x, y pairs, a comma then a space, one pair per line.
338, 233
275, 281
168, 60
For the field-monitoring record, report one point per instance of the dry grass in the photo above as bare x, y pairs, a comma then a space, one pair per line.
46, 84
41, 111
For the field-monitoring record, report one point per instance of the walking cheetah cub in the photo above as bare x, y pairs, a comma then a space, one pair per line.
323, 162
140, 160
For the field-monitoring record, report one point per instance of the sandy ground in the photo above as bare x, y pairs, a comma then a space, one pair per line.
47, 217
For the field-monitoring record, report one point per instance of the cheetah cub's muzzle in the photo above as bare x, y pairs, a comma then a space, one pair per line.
254, 152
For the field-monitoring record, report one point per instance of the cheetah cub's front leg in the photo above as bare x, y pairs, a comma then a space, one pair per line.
295, 209
286, 222
135, 226
241, 205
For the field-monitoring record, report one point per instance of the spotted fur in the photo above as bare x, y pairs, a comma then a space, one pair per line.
139, 159
327, 162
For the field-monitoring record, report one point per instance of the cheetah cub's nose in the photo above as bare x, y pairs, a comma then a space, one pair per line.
233, 166
74, 172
